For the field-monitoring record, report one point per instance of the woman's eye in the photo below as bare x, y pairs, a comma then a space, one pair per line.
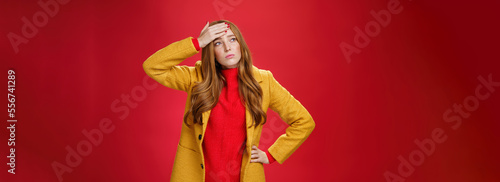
233, 39
217, 43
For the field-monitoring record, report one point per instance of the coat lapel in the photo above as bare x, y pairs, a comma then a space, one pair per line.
205, 115
248, 116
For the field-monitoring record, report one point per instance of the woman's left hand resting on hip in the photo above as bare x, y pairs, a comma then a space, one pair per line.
258, 155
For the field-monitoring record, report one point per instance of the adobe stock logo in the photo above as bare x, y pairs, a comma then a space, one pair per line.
372, 29
30, 27
76, 153
221, 7
454, 116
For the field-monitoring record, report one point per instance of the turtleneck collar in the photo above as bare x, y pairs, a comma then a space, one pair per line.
229, 71
230, 74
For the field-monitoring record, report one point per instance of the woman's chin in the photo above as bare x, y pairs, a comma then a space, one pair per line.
231, 63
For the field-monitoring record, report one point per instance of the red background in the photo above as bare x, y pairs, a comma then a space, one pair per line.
367, 112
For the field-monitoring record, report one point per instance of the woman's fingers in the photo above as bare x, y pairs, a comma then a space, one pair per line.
255, 156
255, 153
210, 33
255, 160
258, 155
218, 30
217, 26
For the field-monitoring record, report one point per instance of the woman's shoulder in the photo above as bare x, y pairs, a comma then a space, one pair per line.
261, 74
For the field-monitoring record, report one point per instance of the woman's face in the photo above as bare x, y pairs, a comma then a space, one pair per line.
227, 50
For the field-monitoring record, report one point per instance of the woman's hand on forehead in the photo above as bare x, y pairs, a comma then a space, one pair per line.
210, 33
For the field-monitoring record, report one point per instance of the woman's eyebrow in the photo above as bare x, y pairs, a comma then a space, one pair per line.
226, 36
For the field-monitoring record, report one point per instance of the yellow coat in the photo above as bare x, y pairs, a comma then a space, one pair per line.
163, 67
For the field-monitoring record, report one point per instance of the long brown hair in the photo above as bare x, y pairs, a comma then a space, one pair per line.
205, 94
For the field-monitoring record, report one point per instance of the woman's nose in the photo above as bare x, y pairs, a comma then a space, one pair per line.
227, 47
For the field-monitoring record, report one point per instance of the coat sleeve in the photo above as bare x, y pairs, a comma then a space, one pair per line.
301, 123
163, 67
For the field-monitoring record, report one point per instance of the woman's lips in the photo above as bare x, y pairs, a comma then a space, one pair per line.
229, 56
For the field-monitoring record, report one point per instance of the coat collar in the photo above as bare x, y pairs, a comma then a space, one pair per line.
256, 74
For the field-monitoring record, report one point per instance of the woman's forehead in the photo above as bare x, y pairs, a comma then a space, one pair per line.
229, 34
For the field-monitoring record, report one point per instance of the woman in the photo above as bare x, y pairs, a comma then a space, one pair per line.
226, 107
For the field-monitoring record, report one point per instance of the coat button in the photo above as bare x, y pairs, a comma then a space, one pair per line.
201, 166
199, 137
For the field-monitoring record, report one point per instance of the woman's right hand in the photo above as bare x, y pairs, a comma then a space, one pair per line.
210, 33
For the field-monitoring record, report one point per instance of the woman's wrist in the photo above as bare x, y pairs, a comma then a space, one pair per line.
270, 157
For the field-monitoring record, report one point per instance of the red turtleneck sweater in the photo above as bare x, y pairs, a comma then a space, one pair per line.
225, 135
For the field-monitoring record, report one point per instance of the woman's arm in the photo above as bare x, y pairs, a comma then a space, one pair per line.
301, 123
162, 65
